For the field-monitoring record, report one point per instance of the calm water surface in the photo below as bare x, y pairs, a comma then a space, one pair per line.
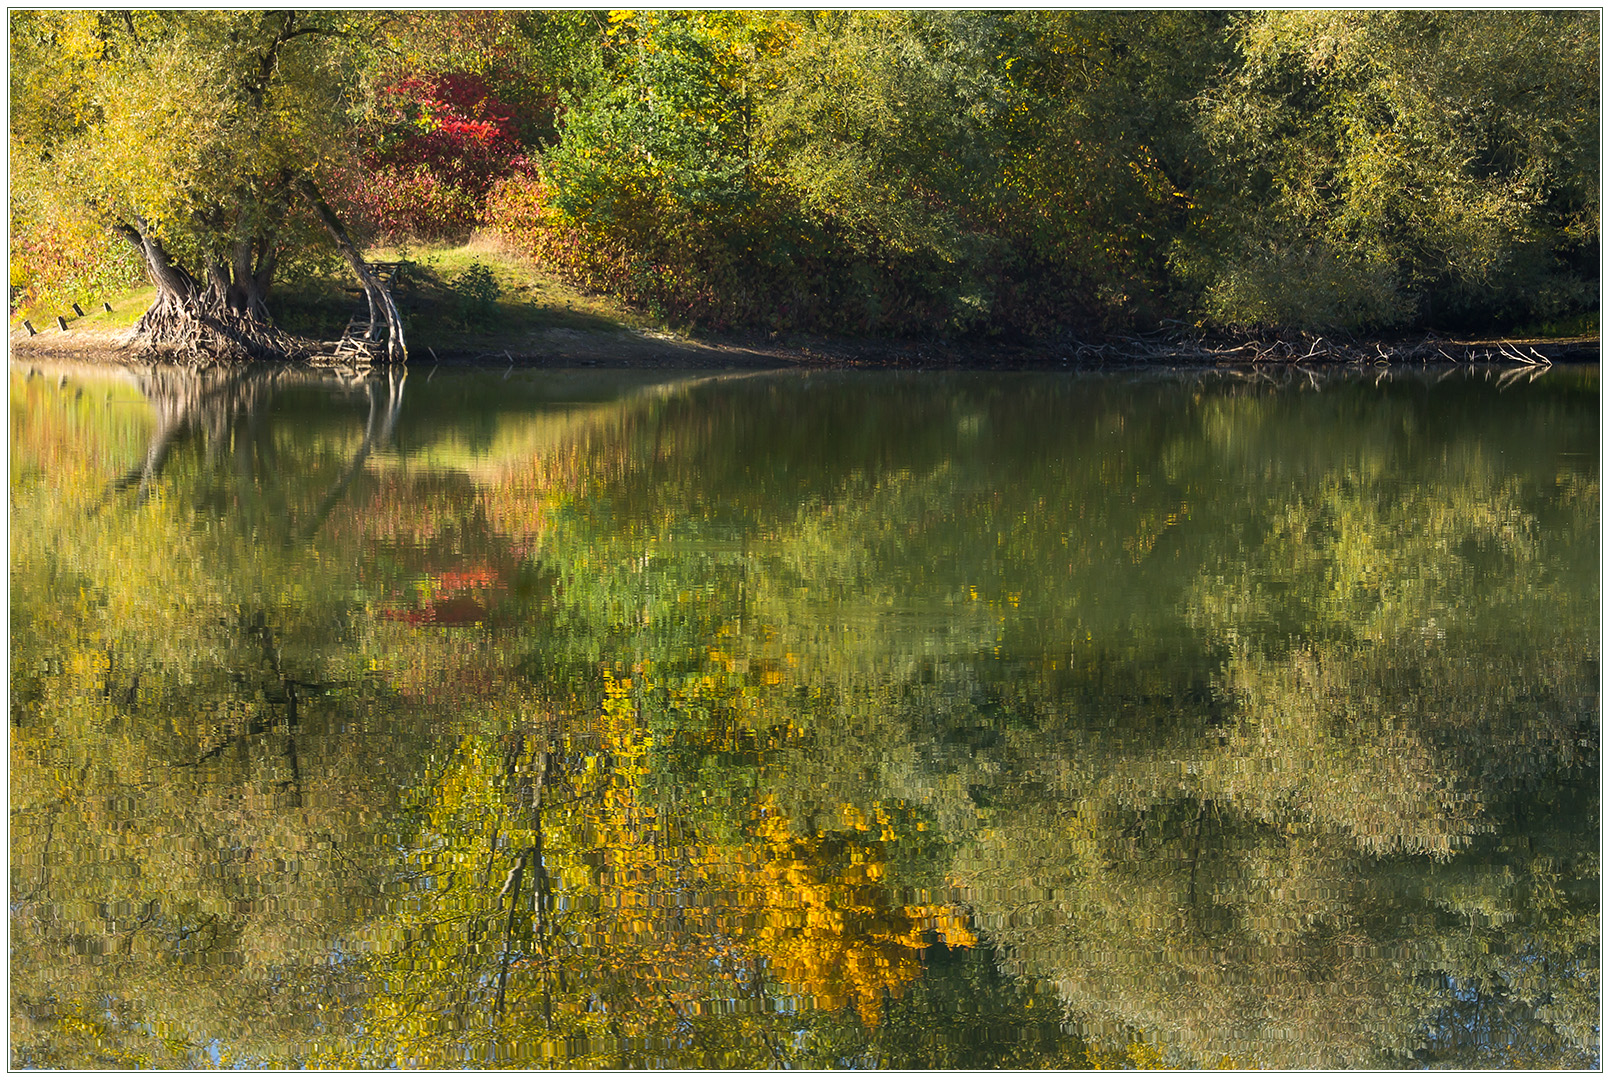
915, 721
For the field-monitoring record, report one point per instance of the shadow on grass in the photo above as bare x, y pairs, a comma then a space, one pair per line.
313, 307
475, 305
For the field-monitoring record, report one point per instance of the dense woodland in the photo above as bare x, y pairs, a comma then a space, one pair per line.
964, 174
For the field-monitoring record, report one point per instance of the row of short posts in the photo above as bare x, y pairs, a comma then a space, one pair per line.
61, 320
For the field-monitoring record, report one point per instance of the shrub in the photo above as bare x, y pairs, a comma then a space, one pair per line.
55, 265
476, 291
439, 144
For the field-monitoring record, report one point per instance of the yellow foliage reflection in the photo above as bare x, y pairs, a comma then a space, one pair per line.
555, 898
828, 926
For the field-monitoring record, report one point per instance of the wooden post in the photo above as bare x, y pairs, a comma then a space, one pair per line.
61, 323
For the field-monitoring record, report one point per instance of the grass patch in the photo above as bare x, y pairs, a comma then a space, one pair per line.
481, 297
127, 307
472, 297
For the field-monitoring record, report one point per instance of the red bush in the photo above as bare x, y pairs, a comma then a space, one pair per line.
439, 144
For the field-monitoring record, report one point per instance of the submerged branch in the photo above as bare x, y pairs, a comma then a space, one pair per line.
1304, 350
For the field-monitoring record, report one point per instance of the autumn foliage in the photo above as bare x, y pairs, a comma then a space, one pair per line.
438, 145
1038, 173
993, 174
55, 264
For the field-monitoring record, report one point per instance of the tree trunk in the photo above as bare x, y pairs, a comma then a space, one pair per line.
263, 272
245, 295
381, 306
223, 321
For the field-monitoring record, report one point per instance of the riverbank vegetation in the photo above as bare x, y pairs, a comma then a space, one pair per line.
997, 175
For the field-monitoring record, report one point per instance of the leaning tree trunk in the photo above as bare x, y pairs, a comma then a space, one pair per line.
218, 314
382, 310
222, 320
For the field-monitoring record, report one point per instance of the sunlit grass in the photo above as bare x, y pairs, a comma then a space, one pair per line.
127, 307
529, 302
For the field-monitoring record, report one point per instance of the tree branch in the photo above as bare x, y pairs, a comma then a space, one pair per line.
128, 21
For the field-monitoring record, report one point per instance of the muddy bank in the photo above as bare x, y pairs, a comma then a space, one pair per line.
564, 348
551, 348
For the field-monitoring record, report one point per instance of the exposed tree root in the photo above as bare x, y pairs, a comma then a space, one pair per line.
218, 317
191, 335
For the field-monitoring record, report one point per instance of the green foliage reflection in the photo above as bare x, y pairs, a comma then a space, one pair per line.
741, 723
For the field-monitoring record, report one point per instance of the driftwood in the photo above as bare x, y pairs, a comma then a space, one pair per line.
1314, 351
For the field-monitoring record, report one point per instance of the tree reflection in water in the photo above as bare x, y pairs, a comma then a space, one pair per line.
768, 720
226, 409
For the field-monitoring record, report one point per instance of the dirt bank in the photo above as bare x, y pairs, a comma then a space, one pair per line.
550, 348
565, 348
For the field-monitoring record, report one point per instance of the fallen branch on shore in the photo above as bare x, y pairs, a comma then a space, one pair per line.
1319, 350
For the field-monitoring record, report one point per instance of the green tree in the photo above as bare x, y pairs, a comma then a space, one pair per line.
201, 138
879, 170
1380, 169
1037, 172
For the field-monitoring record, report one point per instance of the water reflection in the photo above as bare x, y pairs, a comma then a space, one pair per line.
226, 413
762, 720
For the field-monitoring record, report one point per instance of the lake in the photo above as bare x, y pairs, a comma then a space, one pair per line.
613, 719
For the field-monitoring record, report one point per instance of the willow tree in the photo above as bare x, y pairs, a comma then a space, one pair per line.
1377, 169
201, 138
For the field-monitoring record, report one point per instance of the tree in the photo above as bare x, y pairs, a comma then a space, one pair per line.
201, 138
1380, 169
1036, 172
900, 171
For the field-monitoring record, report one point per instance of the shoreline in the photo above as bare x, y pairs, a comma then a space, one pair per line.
631, 349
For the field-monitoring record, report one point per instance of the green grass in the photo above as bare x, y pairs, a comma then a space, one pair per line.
444, 309
127, 307
440, 306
